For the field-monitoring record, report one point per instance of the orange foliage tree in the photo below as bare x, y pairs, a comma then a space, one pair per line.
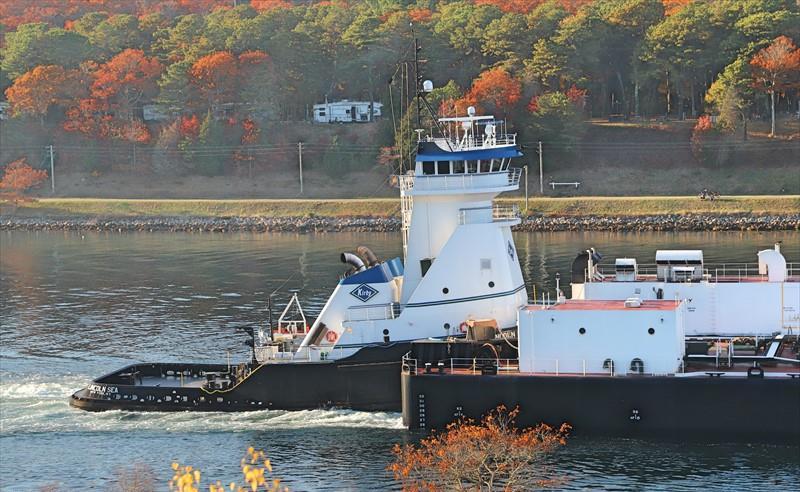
116, 88
125, 79
20, 177
491, 455
776, 69
34, 92
216, 76
494, 91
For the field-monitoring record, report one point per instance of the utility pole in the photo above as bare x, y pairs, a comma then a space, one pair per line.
300, 163
526, 187
541, 175
52, 171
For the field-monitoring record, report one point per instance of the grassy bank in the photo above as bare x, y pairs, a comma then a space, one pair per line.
384, 207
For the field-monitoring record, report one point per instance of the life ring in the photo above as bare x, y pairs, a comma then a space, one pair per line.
331, 336
463, 327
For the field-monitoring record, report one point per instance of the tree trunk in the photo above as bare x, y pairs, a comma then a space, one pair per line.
694, 110
744, 127
772, 112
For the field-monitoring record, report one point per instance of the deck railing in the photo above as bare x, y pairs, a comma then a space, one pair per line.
557, 367
725, 272
373, 312
444, 182
485, 215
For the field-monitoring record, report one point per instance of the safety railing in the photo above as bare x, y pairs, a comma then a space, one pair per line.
479, 141
557, 367
444, 182
725, 272
485, 215
271, 353
373, 312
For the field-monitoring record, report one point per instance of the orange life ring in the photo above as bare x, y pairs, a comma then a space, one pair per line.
331, 336
463, 327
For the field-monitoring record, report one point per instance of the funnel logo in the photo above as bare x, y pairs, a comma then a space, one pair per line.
363, 292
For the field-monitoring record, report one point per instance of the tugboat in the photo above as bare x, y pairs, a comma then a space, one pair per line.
459, 272
677, 350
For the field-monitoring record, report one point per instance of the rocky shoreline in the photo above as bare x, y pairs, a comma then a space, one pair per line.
670, 222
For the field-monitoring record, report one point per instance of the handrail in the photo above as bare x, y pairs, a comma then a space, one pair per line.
582, 367
434, 182
722, 272
485, 215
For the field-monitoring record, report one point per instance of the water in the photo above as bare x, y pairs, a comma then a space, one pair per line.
74, 306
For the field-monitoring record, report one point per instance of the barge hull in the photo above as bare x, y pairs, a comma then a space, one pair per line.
691, 408
369, 380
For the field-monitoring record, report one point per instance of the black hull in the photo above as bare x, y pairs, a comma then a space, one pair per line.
687, 408
368, 380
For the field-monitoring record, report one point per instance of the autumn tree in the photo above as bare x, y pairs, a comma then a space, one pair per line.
776, 69
125, 79
20, 177
216, 75
36, 91
494, 91
492, 455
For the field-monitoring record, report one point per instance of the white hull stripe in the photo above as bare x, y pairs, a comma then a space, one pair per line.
465, 299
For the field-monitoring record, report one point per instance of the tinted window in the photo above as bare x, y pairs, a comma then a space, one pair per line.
495, 165
506, 162
443, 167
485, 166
428, 167
458, 167
472, 166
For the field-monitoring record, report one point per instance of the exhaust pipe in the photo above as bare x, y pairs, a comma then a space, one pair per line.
353, 261
368, 255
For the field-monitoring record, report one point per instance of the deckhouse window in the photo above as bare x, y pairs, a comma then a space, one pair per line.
458, 167
495, 165
428, 167
485, 166
472, 166
504, 164
443, 167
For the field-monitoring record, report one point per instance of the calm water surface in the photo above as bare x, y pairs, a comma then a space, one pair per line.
74, 306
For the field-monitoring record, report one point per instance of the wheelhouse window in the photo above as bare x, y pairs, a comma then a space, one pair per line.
442, 167
505, 163
428, 167
485, 166
458, 167
495, 165
472, 166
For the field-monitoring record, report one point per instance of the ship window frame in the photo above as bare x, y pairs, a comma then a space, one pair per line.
505, 163
428, 168
459, 167
485, 166
442, 167
472, 166
496, 165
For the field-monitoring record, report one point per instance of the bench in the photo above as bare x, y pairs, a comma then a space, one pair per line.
576, 184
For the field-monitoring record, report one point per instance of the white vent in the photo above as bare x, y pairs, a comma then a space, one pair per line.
633, 302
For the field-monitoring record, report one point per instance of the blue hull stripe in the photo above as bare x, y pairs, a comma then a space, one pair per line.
465, 299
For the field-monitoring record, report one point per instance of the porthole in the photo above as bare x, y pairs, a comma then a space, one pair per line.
491, 285
582, 331
651, 331
385, 331
447, 326
445, 291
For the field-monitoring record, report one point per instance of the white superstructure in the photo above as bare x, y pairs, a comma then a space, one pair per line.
724, 300
460, 262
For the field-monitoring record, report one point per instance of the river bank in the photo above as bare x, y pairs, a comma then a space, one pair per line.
760, 213
670, 222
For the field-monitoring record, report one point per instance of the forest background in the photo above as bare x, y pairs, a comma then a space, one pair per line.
628, 97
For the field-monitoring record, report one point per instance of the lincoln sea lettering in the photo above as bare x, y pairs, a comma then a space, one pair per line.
102, 389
